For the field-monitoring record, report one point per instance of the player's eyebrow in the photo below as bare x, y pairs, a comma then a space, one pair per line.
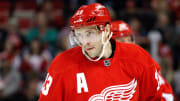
78, 33
88, 30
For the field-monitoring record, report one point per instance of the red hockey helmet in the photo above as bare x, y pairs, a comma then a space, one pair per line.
120, 29
93, 14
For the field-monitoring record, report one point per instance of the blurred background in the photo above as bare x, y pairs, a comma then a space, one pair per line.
33, 32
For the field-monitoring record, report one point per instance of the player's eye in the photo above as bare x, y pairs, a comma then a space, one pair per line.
78, 34
89, 34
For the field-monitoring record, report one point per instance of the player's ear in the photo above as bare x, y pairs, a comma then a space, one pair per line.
107, 30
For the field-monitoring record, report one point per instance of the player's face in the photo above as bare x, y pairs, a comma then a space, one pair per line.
90, 39
126, 39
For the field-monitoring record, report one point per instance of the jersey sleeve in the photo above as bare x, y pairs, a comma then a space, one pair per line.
52, 89
153, 86
166, 92
149, 85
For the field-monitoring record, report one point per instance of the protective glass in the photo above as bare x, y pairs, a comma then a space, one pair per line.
89, 36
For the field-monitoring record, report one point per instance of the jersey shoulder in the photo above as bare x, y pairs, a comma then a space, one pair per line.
133, 51
135, 55
139, 55
65, 60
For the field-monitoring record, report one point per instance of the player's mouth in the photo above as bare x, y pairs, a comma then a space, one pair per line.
89, 49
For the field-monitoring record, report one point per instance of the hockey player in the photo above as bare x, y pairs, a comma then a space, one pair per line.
100, 69
123, 33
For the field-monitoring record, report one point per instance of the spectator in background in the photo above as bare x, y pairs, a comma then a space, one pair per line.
29, 93
36, 57
54, 13
63, 39
3, 30
9, 80
47, 8
18, 41
177, 28
176, 53
168, 35
166, 61
48, 36
160, 6
139, 33
10, 52
177, 82
129, 11
14, 35
174, 6
165, 28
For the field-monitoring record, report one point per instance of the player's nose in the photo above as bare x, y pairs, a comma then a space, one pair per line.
85, 42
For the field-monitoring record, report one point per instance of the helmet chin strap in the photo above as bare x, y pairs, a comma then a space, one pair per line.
103, 49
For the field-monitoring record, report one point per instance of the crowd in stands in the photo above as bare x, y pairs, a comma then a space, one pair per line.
33, 32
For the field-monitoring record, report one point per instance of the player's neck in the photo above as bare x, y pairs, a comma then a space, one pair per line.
108, 50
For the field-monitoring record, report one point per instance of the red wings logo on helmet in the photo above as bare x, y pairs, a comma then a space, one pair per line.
99, 7
93, 14
123, 27
79, 12
116, 93
91, 19
79, 20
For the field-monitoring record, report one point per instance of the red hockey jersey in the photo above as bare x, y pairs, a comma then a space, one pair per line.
130, 75
165, 90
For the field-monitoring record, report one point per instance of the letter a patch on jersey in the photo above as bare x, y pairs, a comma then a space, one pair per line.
122, 92
81, 83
